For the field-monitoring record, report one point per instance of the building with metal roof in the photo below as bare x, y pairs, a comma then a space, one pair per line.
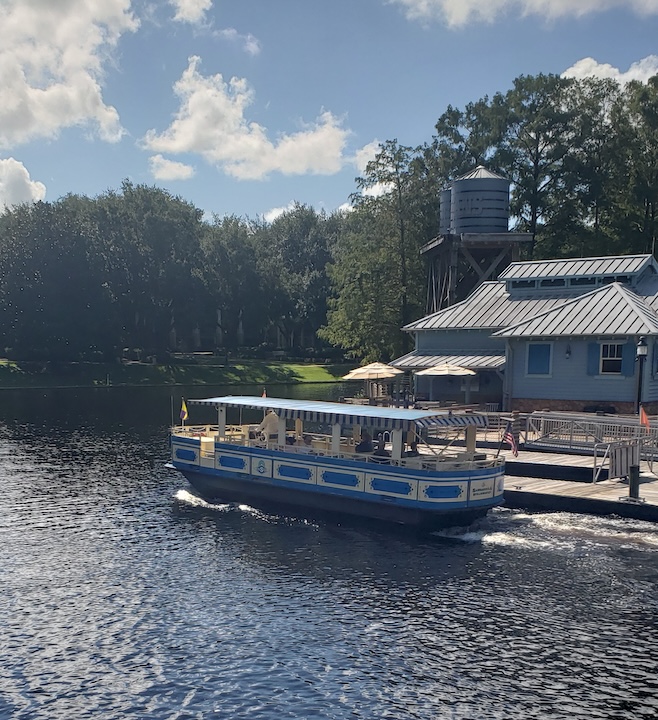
558, 334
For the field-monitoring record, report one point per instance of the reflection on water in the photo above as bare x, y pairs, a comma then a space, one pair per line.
125, 596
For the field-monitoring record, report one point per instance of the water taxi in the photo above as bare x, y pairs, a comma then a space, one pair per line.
310, 455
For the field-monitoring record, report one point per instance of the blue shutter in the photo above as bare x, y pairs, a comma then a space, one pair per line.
593, 356
628, 360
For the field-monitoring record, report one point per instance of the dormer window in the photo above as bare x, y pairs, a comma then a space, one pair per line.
552, 283
523, 284
582, 281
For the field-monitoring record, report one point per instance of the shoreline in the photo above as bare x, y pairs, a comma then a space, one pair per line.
44, 376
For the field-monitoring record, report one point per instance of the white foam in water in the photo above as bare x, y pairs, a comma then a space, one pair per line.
557, 532
191, 499
568, 531
468, 535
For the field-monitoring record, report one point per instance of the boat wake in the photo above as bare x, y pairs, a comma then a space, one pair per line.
558, 532
189, 498
184, 496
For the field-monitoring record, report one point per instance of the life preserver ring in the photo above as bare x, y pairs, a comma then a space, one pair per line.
262, 436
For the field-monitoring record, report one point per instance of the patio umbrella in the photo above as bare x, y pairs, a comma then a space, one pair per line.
446, 369
374, 371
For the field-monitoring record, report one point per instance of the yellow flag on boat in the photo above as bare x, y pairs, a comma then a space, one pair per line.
183, 410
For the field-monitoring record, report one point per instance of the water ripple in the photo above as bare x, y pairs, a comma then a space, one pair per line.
127, 596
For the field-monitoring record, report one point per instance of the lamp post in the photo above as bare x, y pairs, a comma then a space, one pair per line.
641, 351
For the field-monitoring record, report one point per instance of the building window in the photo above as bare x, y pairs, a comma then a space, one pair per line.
539, 358
611, 354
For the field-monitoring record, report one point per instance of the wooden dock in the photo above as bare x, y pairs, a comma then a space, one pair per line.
550, 492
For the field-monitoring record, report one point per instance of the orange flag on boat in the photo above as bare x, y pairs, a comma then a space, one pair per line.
264, 393
644, 418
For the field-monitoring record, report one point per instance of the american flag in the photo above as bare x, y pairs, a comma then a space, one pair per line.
509, 438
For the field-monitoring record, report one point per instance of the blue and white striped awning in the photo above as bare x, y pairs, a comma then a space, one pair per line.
385, 418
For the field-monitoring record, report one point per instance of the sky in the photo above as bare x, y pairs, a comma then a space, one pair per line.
245, 107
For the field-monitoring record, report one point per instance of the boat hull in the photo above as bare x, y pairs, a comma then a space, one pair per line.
216, 489
265, 479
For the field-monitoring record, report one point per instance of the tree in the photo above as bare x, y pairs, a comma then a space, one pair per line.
642, 113
534, 146
293, 252
237, 300
153, 260
54, 299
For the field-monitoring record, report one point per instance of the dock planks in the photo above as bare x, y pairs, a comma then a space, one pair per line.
603, 497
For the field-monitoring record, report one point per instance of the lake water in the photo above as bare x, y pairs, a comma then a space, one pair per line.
125, 597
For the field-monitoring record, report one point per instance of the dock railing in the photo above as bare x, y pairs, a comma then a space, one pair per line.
565, 431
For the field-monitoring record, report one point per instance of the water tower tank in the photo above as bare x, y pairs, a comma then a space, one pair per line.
479, 203
444, 216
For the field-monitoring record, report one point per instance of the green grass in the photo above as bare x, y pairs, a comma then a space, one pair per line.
37, 375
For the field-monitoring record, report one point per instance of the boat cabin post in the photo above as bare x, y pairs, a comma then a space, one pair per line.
281, 429
471, 438
396, 443
221, 421
336, 429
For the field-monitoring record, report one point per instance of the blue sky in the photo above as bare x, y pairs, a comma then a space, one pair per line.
245, 107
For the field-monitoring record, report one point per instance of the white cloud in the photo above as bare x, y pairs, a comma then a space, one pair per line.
249, 43
163, 169
211, 121
456, 13
191, 11
641, 70
16, 187
361, 159
51, 61
271, 215
367, 153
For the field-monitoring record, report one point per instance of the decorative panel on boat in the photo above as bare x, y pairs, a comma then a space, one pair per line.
481, 489
261, 467
296, 472
444, 492
334, 477
392, 486
185, 454
233, 462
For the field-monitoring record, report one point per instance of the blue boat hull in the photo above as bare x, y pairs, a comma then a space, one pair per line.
366, 489
217, 489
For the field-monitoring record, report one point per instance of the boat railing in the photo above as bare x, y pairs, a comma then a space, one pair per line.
321, 446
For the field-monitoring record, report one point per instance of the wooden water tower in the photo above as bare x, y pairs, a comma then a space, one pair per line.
475, 244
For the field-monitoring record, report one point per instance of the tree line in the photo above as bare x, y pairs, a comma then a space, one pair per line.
139, 268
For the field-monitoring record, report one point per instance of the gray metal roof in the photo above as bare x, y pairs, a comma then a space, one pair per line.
417, 360
491, 307
481, 172
574, 267
609, 310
